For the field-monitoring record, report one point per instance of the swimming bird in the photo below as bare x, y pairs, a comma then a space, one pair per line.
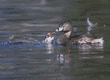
89, 39
63, 32
49, 38
63, 35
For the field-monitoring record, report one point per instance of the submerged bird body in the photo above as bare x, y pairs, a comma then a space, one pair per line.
87, 39
97, 41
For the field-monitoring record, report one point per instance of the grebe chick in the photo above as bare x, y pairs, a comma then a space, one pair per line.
49, 38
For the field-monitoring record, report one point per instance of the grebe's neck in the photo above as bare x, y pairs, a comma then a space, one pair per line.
68, 33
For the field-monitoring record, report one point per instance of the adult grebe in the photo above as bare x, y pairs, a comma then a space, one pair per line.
64, 35
63, 32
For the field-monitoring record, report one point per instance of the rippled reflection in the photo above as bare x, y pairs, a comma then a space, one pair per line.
89, 47
50, 48
91, 50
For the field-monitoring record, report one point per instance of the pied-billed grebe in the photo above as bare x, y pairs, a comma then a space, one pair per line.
49, 38
63, 32
64, 35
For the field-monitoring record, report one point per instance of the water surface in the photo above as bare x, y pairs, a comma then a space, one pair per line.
48, 61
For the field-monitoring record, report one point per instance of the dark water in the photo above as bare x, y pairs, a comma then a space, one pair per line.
35, 18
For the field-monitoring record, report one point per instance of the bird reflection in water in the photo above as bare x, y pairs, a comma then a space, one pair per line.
90, 47
50, 49
91, 50
64, 61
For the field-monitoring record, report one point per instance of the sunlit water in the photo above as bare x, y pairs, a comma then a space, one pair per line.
35, 19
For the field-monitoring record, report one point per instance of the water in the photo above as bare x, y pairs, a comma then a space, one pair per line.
33, 19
